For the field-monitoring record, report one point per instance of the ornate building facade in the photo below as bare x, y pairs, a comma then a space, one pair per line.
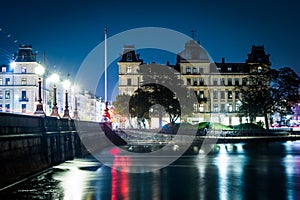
19, 90
214, 84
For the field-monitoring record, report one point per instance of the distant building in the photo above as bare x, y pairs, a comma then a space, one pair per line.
214, 83
19, 90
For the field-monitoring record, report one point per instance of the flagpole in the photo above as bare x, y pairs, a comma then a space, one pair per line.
105, 64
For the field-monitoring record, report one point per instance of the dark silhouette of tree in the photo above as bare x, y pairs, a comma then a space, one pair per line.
267, 91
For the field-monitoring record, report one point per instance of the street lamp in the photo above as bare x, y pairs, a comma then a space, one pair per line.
39, 70
54, 78
75, 90
66, 85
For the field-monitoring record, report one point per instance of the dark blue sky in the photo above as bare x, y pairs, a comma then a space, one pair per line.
68, 30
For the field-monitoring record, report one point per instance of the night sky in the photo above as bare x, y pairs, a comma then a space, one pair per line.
68, 30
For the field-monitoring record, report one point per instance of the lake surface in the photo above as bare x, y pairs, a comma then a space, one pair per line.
231, 171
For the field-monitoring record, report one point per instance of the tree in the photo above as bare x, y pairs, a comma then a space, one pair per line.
121, 106
161, 85
267, 91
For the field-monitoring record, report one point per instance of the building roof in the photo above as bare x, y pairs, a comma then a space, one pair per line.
193, 51
25, 54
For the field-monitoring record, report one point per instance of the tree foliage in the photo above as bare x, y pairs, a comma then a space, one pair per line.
267, 91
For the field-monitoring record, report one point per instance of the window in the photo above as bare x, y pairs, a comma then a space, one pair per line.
216, 108
24, 81
201, 81
23, 106
237, 81
237, 105
244, 82
194, 70
188, 70
188, 81
237, 94
129, 81
222, 94
128, 69
195, 107
259, 69
24, 70
215, 94
201, 94
229, 68
222, 107
1, 81
3, 69
23, 95
129, 57
215, 81
201, 108
201, 70
195, 82
222, 81
7, 107
7, 94
229, 94
229, 107
1, 94
7, 81
229, 80
0, 107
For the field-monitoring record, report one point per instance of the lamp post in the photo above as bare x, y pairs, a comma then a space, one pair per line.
75, 114
39, 70
66, 85
54, 78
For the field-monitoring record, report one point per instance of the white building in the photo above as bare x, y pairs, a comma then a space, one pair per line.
19, 90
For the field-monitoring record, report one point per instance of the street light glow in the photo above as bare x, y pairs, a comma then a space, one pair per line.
40, 70
54, 78
66, 84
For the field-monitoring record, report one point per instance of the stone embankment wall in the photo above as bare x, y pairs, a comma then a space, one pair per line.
29, 144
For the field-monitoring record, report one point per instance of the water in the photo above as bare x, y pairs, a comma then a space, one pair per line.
239, 171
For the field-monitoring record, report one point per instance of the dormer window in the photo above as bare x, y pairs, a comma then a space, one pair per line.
229, 69
259, 69
129, 57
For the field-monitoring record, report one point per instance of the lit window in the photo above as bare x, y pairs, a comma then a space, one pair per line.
194, 70
201, 94
188, 70
201, 108
128, 70
229, 107
24, 70
7, 94
3, 69
24, 81
229, 94
229, 69
216, 108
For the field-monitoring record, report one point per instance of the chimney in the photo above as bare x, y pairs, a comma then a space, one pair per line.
223, 60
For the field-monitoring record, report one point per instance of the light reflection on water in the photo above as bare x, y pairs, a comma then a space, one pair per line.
230, 171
